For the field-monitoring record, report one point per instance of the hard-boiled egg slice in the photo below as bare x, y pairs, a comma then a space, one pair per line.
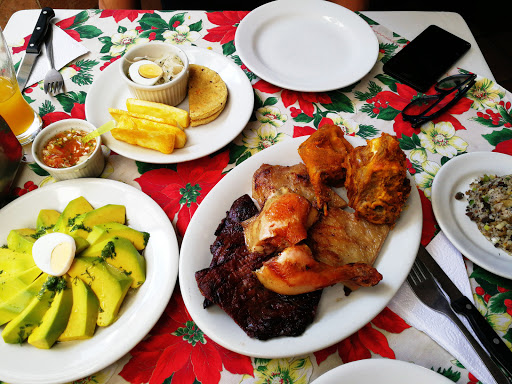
53, 253
145, 72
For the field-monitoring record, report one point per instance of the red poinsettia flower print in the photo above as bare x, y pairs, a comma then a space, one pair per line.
180, 192
227, 23
177, 347
299, 131
504, 147
368, 339
305, 100
120, 14
77, 112
66, 24
23, 47
429, 220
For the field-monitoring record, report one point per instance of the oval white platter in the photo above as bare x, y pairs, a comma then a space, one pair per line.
338, 316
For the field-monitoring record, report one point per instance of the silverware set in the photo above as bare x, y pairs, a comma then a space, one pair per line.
53, 81
496, 356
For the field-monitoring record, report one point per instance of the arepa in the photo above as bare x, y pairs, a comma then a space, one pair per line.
207, 94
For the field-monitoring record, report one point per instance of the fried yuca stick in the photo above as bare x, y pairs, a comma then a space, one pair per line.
144, 123
171, 115
127, 131
117, 113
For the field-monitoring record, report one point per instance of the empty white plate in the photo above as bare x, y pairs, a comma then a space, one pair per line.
306, 45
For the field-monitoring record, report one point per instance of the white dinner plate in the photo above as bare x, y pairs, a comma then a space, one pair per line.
382, 371
306, 45
68, 361
455, 176
109, 91
337, 316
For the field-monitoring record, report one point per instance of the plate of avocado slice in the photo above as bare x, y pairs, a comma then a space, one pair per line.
62, 328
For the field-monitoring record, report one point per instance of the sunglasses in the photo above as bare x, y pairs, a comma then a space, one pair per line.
428, 107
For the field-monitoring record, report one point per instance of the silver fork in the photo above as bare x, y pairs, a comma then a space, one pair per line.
426, 289
53, 81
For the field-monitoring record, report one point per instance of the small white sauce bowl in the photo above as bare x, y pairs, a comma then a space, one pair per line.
171, 93
91, 167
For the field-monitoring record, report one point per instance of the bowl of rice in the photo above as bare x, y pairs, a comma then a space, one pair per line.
489, 205
168, 84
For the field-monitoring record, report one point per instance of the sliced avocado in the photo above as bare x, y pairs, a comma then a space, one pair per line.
81, 244
12, 284
46, 219
13, 262
122, 254
11, 307
21, 240
22, 325
74, 208
109, 284
110, 213
104, 231
54, 320
84, 313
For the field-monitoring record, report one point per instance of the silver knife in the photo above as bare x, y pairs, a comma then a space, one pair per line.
34, 46
494, 345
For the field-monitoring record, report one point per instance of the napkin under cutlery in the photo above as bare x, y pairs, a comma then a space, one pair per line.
65, 50
436, 325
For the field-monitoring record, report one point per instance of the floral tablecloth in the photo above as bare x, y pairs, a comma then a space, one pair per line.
176, 350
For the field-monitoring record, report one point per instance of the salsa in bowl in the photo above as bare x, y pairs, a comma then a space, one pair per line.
61, 151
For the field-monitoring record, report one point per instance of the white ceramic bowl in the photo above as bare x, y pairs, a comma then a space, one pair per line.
91, 167
171, 93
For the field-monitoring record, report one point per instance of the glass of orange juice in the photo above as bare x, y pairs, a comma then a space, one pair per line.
19, 115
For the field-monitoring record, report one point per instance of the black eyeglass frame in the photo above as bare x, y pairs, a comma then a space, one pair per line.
461, 89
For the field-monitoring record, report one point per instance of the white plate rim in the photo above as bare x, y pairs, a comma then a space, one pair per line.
211, 137
455, 176
252, 24
387, 371
133, 324
213, 320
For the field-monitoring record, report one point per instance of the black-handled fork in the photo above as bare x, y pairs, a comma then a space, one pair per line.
426, 289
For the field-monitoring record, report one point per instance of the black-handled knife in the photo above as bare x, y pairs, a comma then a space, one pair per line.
490, 340
34, 46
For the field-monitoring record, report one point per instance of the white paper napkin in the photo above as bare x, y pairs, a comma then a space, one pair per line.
65, 50
438, 326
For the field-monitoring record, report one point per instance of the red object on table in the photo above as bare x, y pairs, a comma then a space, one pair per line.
11, 153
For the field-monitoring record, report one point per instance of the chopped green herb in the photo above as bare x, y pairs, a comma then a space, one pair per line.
145, 235
71, 221
76, 227
53, 284
109, 251
39, 233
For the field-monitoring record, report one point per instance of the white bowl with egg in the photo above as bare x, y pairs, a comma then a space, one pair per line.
89, 165
148, 79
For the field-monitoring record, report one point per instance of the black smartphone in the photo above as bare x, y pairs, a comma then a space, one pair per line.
426, 58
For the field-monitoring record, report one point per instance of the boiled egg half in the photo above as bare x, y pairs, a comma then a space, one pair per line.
53, 253
145, 72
